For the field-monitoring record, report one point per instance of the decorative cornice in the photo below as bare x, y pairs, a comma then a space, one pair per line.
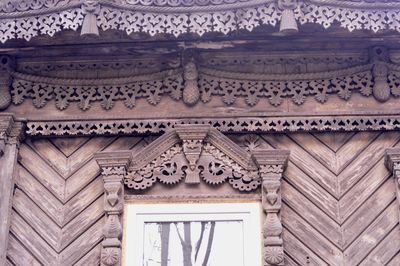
378, 78
28, 18
229, 125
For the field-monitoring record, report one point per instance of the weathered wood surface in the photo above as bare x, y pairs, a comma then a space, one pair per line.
57, 213
7, 166
339, 199
339, 205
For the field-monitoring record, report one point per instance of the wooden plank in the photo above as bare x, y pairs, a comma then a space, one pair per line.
82, 199
37, 219
358, 194
351, 149
51, 155
314, 216
40, 195
90, 170
305, 162
83, 244
366, 213
32, 241
82, 222
86, 152
8, 162
312, 190
317, 149
69, 145
42, 171
366, 160
395, 261
19, 255
92, 258
9, 263
371, 237
385, 251
334, 140
298, 251
289, 261
314, 240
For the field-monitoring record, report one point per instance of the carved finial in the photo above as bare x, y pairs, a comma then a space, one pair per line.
91, 9
5, 81
288, 20
191, 92
379, 57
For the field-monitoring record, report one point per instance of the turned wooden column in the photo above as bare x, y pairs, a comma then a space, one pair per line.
113, 169
271, 165
10, 136
392, 162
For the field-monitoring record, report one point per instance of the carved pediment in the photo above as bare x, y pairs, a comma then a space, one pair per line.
193, 153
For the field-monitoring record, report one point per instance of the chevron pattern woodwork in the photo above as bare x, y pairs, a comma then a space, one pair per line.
57, 215
339, 199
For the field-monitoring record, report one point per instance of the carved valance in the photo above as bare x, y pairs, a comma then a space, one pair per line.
191, 83
29, 18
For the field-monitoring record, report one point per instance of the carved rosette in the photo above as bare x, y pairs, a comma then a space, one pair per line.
271, 164
113, 169
392, 161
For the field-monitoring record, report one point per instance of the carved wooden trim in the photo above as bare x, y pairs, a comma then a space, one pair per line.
378, 78
392, 161
113, 168
272, 164
306, 122
10, 136
28, 18
192, 152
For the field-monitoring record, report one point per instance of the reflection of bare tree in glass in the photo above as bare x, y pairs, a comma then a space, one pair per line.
186, 243
165, 229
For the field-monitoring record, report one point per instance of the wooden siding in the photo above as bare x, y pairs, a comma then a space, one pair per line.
339, 200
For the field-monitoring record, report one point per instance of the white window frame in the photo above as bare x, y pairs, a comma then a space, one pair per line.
135, 215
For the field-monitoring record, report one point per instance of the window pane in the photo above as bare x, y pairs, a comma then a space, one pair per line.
210, 243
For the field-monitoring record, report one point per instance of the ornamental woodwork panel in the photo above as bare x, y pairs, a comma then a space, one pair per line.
58, 206
338, 199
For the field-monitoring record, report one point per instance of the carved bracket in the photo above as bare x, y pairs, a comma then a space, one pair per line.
392, 161
272, 163
11, 131
113, 168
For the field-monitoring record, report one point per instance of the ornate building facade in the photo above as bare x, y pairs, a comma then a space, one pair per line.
289, 104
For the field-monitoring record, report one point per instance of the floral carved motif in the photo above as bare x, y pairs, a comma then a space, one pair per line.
29, 18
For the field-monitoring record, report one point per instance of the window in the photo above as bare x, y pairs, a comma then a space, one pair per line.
198, 234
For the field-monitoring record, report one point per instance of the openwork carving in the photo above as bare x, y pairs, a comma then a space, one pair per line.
192, 152
113, 168
272, 164
107, 91
225, 124
378, 78
29, 18
392, 161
